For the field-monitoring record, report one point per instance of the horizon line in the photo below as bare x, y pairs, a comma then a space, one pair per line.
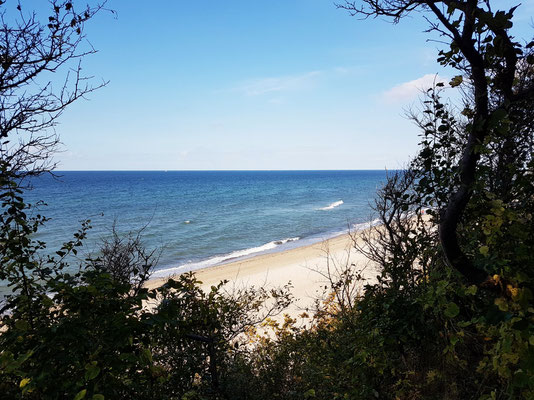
219, 170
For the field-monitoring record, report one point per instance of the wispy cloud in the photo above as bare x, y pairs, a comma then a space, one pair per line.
342, 70
410, 90
257, 87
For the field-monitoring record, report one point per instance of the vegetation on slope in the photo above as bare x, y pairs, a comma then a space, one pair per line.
451, 316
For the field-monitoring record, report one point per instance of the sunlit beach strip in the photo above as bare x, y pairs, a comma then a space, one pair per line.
275, 246
304, 267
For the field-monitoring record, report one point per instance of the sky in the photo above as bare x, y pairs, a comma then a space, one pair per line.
281, 84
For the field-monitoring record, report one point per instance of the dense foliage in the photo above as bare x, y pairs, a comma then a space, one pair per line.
451, 315
95, 335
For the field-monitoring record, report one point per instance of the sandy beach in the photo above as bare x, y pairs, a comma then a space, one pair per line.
306, 268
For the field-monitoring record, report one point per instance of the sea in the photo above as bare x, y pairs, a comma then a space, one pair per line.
199, 219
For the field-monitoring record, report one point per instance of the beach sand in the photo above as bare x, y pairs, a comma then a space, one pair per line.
306, 268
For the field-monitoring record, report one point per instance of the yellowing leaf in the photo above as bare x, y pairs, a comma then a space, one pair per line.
515, 292
24, 382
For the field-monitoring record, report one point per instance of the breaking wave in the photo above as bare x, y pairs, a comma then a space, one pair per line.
210, 262
333, 205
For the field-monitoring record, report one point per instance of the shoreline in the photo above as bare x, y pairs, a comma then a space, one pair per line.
273, 247
305, 267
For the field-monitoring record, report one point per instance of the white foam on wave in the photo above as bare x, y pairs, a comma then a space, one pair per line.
221, 259
333, 205
365, 225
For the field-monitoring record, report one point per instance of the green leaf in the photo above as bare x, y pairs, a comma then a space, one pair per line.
22, 325
497, 118
146, 356
25, 357
472, 290
452, 310
456, 81
81, 394
91, 371
501, 303
98, 397
484, 250
520, 379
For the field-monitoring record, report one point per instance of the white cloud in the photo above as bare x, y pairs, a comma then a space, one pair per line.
410, 90
342, 70
262, 86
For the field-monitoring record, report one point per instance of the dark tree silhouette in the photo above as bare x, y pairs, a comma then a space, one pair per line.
482, 49
40, 75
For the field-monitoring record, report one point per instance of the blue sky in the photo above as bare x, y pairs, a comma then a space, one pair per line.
284, 84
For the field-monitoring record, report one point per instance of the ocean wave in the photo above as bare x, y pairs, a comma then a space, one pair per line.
333, 205
365, 225
210, 262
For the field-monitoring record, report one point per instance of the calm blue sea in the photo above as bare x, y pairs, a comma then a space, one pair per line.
202, 218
